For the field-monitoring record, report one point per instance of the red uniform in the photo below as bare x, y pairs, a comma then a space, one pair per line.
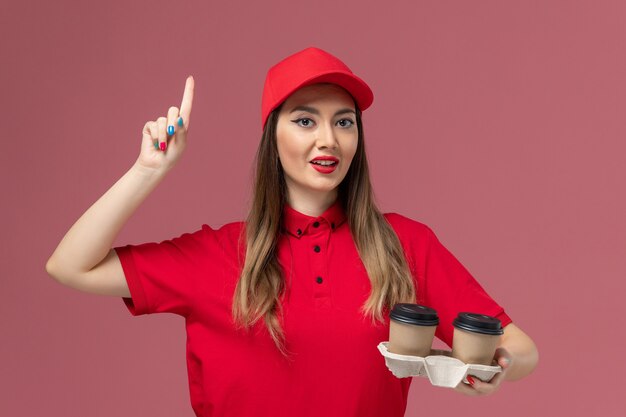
336, 368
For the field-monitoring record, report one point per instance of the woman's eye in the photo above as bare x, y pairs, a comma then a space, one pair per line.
346, 122
304, 122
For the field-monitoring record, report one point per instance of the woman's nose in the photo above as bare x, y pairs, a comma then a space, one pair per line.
326, 136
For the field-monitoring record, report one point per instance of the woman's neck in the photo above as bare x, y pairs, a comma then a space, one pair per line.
312, 205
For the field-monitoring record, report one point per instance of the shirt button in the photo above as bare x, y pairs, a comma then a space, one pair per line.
316, 248
299, 231
316, 224
319, 280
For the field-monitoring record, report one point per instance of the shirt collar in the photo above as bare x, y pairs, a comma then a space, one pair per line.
299, 224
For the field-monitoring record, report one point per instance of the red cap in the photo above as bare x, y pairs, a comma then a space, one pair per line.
309, 66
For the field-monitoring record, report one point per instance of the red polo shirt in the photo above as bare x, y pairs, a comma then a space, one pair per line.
336, 368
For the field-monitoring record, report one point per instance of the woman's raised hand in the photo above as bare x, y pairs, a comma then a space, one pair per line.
165, 139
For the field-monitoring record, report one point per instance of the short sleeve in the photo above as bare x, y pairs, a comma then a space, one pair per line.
165, 277
450, 289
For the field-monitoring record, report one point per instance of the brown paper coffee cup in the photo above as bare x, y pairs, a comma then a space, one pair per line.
476, 338
412, 329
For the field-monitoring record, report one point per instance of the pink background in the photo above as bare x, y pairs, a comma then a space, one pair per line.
499, 124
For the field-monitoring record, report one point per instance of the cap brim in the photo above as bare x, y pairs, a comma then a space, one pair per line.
361, 92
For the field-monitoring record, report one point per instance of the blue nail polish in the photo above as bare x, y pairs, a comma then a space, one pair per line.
170, 130
180, 121
156, 145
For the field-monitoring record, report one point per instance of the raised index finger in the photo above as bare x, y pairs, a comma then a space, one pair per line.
185, 105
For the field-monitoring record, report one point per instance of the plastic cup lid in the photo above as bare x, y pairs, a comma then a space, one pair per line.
414, 314
478, 323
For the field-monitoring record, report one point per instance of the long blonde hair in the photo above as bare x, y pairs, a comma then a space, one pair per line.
261, 283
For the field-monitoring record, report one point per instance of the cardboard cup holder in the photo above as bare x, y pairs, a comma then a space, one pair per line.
439, 367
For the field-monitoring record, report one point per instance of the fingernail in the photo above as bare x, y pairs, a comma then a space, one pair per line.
180, 121
470, 380
163, 146
156, 145
170, 130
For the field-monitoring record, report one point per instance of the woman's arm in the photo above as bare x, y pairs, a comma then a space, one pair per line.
522, 353
516, 354
89, 240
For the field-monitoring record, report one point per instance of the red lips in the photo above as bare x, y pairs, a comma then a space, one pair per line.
325, 158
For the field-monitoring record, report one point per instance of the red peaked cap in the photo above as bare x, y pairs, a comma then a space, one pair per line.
309, 66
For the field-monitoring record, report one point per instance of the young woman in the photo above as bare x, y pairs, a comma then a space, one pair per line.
284, 311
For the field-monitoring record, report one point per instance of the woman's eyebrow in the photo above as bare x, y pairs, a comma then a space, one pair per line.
315, 111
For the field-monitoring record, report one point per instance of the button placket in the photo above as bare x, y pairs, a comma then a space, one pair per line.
319, 264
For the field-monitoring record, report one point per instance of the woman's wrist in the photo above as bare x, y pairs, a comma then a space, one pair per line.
520, 351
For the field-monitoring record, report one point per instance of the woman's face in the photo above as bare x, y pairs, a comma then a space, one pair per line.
316, 121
